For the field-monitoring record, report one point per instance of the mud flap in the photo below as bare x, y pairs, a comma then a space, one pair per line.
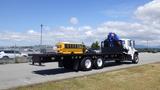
60, 63
76, 65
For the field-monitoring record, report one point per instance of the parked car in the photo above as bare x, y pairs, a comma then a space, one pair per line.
6, 54
23, 54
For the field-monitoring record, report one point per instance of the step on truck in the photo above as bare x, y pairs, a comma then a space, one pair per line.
111, 49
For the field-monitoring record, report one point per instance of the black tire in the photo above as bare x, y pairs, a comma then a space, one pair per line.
98, 63
5, 58
86, 64
135, 59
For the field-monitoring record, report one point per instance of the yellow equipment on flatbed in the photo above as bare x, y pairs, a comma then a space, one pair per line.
70, 48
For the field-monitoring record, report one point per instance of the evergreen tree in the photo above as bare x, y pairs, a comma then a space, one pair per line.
95, 45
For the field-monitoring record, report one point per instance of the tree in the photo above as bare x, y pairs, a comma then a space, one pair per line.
95, 45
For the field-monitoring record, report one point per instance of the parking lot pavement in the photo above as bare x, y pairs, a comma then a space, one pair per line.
13, 75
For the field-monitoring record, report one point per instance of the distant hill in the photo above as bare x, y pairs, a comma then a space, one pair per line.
143, 46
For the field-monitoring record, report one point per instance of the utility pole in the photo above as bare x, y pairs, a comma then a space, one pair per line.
41, 35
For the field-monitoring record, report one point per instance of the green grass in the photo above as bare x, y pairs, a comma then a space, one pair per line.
146, 77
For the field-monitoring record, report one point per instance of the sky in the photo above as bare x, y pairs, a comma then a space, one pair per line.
78, 21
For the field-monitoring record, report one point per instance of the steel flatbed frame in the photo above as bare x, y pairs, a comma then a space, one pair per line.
72, 61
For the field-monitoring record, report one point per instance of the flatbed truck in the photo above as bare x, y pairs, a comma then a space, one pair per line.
88, 61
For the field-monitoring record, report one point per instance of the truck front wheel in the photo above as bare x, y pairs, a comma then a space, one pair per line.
135, 59
86, 64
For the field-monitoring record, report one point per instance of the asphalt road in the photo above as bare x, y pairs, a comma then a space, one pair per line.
13, 75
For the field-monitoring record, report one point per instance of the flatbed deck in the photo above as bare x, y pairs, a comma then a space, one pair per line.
64, 59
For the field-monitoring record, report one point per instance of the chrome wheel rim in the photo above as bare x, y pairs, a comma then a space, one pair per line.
99, 62
88, 63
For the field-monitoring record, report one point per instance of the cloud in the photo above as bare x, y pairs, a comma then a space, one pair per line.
30, 37
89, 33
74, 20
118, 13
149, 11
149, 14
85, 28
31, 32
147, 27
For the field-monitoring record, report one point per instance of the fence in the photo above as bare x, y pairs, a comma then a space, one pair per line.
15, 60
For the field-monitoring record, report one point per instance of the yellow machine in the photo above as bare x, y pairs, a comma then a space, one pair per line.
70, 48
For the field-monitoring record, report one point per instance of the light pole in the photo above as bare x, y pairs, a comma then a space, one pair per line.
42, 49
41, 35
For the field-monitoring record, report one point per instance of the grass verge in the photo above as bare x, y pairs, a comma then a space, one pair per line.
145, 77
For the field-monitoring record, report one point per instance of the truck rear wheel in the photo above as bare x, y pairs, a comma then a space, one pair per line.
135, 59
99, 63
86, 64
